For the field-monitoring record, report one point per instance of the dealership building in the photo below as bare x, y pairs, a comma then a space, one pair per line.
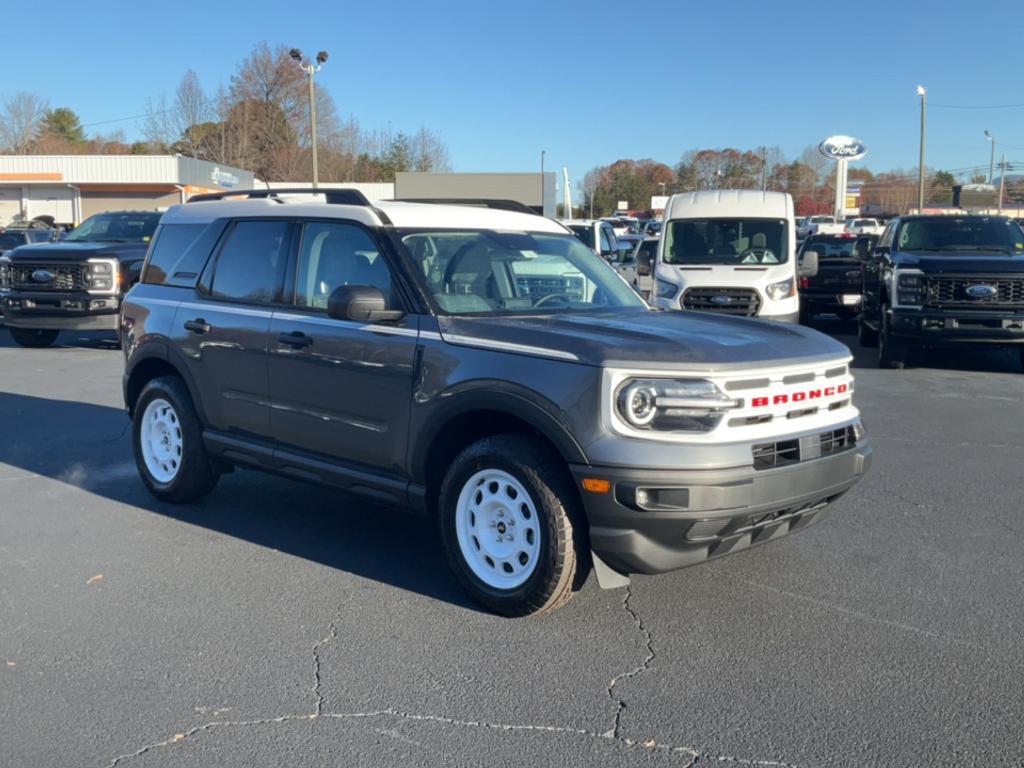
67, 189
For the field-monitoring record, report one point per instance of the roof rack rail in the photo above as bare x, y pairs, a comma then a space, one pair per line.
334, 196
477, 202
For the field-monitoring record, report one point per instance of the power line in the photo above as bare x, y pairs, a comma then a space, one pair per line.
130, 117
977, 106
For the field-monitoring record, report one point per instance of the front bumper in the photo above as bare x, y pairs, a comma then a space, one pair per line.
61, 311
933, 326
695, 515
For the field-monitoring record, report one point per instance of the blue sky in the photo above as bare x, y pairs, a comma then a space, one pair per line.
589, 82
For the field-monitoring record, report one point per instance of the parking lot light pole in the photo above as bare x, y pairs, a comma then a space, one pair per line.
923, 93
542, 153
991, 157
311, 69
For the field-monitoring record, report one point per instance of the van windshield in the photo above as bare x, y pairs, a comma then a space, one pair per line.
726, 241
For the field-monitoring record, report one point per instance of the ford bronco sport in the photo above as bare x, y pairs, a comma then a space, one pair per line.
485, 367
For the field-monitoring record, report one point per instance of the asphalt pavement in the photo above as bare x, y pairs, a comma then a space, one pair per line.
278, 624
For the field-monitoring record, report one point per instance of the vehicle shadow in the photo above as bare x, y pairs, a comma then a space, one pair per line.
77, 339
317, 524
978, 358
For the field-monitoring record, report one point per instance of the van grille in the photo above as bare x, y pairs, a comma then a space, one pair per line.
727, 301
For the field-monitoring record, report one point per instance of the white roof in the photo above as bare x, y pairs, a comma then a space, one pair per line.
412, 215
730, 202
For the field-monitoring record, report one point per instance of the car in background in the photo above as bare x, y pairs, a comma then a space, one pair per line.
819, 225
943, 280
653, 228
77, 284
836, 288
597, 234
13, 235
645, 256
864, 227
623, 225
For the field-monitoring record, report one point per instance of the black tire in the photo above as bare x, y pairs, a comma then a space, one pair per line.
195, 476
866, 335
34, 338
892, 353
543, 475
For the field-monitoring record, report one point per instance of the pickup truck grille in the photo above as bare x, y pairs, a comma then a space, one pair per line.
951, 291
727, 301
66, 277
786, 452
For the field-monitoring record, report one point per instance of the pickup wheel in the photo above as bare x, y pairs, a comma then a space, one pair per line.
34, 338
892, 353
167, 439
506, 516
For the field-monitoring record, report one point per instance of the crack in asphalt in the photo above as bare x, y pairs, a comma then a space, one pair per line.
618, 701
693, 757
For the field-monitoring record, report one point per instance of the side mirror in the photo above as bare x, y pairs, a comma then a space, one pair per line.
808, 266
360, 303
643, 264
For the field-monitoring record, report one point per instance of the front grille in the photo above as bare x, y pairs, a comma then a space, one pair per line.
66, 277
786, 452
951, 291
728, 301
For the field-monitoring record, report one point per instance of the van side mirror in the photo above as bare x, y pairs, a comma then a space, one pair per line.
643, 263
808, 266
360, 303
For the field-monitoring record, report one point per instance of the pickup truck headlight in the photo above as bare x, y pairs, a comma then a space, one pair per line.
101, 276
781, 290
663, 289
686, 405
5, 272
909, 289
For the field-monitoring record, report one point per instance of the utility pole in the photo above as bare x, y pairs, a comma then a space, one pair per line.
310, 69
542, 153
764, 169
923, 93
1002, 179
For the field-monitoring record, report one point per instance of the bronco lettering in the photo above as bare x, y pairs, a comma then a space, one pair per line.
798, 397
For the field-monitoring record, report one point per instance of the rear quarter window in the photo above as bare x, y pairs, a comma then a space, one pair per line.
179, 253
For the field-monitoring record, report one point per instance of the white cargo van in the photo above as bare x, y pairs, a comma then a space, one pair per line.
731, 252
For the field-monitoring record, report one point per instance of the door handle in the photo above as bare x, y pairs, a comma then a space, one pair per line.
198, 326
295, 339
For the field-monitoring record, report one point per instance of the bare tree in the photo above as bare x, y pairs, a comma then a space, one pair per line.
191, 111
20, 121
430, 153
158, 125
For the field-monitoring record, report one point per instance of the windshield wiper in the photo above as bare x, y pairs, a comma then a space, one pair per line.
975, 248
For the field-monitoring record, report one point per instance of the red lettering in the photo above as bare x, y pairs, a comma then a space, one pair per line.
843, 388
814, 394
780, 399
759, 402
829, 391
799, 397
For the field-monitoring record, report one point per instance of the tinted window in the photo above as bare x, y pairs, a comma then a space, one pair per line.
9, 240
584, 232
251, 263
951, 233
128, 227
607, 236
831, 247
333, 255
170, 256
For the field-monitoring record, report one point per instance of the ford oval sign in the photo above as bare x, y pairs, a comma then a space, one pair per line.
842, 148
43, 276
982, 291
721, 300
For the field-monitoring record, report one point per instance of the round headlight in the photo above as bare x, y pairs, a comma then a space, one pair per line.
638, 403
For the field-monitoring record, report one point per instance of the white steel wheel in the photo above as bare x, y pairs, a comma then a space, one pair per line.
161, 440
498, 529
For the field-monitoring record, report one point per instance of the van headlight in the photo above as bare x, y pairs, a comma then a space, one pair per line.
783, 289
682, 405
663, 289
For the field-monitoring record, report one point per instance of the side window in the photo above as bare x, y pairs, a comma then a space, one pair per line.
333, 255
886, 239
251, 263
606, 240
177, 254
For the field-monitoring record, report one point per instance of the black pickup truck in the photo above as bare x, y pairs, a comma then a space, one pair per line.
78, 283
943, 280
836, 288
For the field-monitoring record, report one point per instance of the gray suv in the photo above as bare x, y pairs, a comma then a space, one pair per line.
483, 367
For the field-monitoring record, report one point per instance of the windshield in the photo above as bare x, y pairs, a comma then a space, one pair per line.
865, 223
116, 228
832, 247
950, 233
822, 220
472, 272
725, 241
10, 240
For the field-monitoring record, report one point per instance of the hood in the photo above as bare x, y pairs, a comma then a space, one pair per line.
724, 275
650, 338
962, 262
78, 251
